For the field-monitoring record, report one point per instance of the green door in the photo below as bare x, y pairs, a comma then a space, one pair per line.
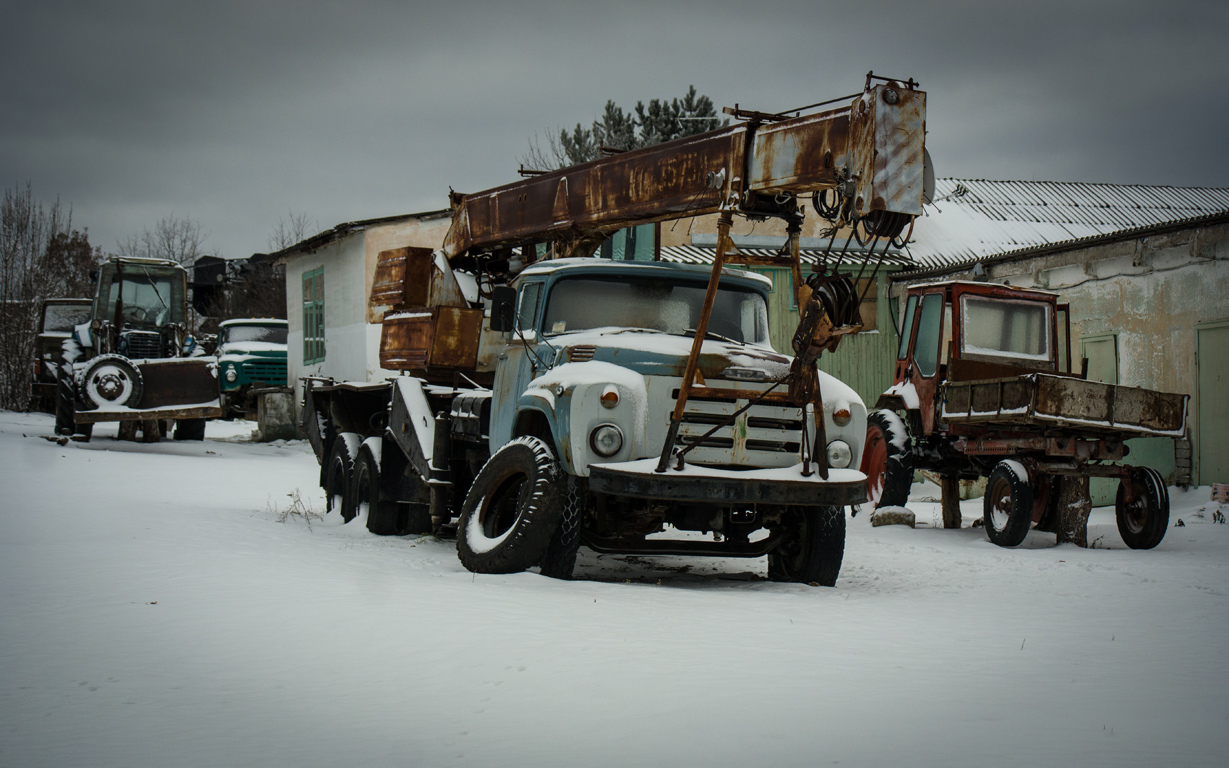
1101, 352
1212, 406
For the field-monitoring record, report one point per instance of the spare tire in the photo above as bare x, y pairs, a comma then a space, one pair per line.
513, 509
111, 380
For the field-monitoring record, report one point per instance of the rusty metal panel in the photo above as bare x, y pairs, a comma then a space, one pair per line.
457, 332
191, 381
402, 278
800, 155
406, 338
887, 144
654, 183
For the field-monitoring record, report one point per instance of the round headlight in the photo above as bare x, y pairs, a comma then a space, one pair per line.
231, 375
606, 440
839, 454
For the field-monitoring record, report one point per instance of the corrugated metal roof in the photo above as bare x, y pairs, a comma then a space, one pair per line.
692, 254
972, 219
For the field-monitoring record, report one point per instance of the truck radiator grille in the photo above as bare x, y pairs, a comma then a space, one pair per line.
262, 372
581, 353
762, 436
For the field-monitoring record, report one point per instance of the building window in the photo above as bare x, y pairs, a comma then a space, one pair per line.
313, 316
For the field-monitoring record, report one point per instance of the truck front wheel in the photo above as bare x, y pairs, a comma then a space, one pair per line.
1143, 521
885, 460
812, 548
1008, 504
512, 509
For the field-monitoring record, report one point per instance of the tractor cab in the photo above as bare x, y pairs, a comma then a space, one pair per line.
966, 331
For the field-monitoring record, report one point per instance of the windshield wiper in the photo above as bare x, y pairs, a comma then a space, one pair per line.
716, 336
154, 285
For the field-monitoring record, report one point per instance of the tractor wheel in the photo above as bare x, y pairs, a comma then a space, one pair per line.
66, 393
1008, 504
1143, 521
339, 472
813, 547
111, 380
513, 509
886, 461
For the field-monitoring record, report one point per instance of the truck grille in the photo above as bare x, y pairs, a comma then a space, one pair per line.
581, 353
141, 345
266, 372
762, 436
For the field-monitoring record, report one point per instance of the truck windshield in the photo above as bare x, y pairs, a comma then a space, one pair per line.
1006, 328
274, 334
577, 304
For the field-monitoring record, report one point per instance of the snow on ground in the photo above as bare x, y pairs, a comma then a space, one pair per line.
158, 608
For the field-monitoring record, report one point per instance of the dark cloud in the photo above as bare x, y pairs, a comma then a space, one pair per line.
235, 113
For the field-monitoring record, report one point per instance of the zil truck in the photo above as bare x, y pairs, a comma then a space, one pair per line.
134, 361
548, 399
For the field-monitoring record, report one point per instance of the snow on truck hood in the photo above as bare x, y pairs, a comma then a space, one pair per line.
653, 353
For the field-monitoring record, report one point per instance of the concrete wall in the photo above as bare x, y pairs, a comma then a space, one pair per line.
1151, 291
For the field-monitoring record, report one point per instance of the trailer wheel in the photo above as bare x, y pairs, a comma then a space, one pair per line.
189, 429
512, 509
813, 547
338, 475
1142, 523
560, 558
1008, 504
886, 460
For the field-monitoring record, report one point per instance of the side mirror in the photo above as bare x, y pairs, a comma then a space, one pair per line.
503, 308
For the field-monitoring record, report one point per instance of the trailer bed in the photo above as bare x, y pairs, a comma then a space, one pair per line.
1049, 402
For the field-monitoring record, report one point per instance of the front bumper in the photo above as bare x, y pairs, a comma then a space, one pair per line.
697, 484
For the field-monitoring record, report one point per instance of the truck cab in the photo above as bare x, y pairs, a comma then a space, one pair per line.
251, 354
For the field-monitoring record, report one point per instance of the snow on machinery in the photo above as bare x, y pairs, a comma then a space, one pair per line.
578, 400
134, 361
984, 388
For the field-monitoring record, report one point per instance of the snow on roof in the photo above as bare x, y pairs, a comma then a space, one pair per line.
693, 254
971, 219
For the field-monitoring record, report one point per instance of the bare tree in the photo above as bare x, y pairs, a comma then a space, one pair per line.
172, 238
41, 257
291, 228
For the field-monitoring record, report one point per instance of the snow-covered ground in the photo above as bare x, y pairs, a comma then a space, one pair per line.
158, 608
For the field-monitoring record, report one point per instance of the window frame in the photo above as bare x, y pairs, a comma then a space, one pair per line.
313, 316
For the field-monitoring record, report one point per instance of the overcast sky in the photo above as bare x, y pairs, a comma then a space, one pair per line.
237, 113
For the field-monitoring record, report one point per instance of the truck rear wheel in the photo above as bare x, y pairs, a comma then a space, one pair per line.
813, 547
512, 510
339, 473
885, 460
1142, 523
1008, 504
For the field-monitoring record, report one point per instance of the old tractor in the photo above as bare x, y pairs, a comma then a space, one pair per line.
134, 361
984, 387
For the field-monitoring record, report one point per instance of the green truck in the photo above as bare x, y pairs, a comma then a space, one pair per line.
251, 355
